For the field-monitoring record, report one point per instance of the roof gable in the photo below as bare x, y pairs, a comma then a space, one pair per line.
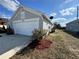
18, 15
30, 13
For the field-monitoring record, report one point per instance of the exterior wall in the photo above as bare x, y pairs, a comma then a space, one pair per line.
40, 23
46, 25
73, 27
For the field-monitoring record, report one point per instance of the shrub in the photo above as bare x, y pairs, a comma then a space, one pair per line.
9, 31
38, 34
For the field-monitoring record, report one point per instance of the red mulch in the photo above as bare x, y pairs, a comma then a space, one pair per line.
43, 44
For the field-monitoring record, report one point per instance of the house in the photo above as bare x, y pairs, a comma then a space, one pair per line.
73, 26
3, 25
3, 22
25, 20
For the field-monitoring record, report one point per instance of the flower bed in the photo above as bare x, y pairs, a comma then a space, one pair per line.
43, 44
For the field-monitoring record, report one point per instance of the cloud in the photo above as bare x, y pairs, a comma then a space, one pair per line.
63, 21
68, 11
59, 20
68, 1
53, 14
4, 16
10, 4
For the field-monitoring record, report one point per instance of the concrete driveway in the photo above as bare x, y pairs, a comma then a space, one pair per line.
16, 42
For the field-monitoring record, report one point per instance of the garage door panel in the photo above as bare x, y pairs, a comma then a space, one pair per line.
25, 28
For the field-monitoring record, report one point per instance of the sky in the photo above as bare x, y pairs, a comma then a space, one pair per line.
63, 11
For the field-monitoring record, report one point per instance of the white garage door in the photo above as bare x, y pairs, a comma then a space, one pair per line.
25, 27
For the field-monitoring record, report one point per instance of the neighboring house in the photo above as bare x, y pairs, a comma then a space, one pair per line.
73, 26
3, 22
25, 20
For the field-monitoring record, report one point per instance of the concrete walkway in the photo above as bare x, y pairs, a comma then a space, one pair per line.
10, 44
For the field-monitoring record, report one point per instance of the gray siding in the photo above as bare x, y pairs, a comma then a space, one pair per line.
73, 26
